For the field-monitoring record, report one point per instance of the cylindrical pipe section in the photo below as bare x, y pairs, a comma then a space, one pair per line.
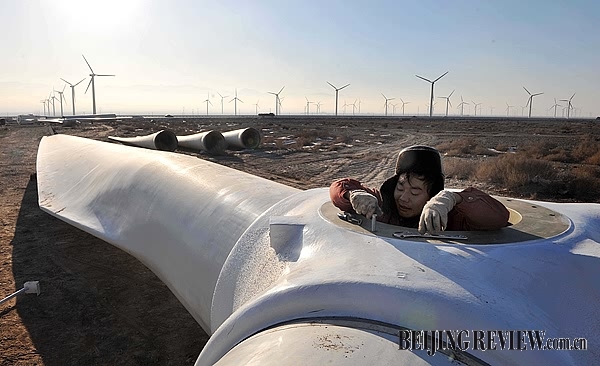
212, 142
163, 140
245, 138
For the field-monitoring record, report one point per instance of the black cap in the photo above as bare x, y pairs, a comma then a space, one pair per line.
419, 159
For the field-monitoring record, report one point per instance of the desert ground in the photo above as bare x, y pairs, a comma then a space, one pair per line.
100, 306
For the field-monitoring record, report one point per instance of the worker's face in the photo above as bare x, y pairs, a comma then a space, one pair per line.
410, 196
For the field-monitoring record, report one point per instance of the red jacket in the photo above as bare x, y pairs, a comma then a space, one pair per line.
477, 211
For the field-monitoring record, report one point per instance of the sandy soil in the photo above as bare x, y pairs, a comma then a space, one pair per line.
100, 306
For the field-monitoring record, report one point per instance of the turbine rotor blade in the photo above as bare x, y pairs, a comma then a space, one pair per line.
451, 93
331, 85
66, 81
90, 83
86, 61
281, 90
79, 82
104, 75
527, 90
343, 86
427, 80
441, 76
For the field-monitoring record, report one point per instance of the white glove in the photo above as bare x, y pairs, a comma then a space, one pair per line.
435, 212
364, 203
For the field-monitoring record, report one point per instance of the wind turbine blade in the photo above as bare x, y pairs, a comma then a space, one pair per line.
533, 95
441, 76
239, 100
391, 98
451, 94
383, 96
281, 90
90, 83
527, 90
449, 102
104, 75
572, 96
79, 82
344, 86
269, 93
66, 81
331, 85
420, 77
64, 88
86, 61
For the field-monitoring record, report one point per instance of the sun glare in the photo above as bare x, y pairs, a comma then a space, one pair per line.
106, 13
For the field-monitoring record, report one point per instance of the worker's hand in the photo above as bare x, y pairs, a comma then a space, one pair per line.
435, 212
364, 203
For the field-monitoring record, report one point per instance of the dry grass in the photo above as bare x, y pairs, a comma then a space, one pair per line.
464, 147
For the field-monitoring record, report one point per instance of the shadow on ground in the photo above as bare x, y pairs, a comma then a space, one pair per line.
98, 305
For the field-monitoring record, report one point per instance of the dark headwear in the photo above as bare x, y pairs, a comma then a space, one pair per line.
424, 161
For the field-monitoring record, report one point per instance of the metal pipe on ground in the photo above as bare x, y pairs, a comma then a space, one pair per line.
163, 140
212, 142
244, 138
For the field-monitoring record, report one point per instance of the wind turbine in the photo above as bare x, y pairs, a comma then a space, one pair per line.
403, 103
93, 76
256, 107
508, 107
353, 107
555, 106
307, 106
207, 101
344, 106
432, 83
530, 100
277, 102
280, 102
336, 95
448, 101
476, 104
235, 104
44, 103
73, 92
394, 108
462, 105
222, 97
386, 102
569, 105
318, 107
62, 97
52, 98
491, 110
359, 106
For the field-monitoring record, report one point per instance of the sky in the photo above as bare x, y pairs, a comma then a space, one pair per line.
170, 56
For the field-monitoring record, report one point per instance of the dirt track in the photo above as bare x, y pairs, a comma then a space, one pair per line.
99, 306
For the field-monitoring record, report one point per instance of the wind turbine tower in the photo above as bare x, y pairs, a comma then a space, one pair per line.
569, 105
431, 98
277, 101
93, 76
336, 95
235, 104
386, 102
448, 102
73, 92
530, 100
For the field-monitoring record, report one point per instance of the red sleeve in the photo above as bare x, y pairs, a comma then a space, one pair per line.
342, 186
477, 211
